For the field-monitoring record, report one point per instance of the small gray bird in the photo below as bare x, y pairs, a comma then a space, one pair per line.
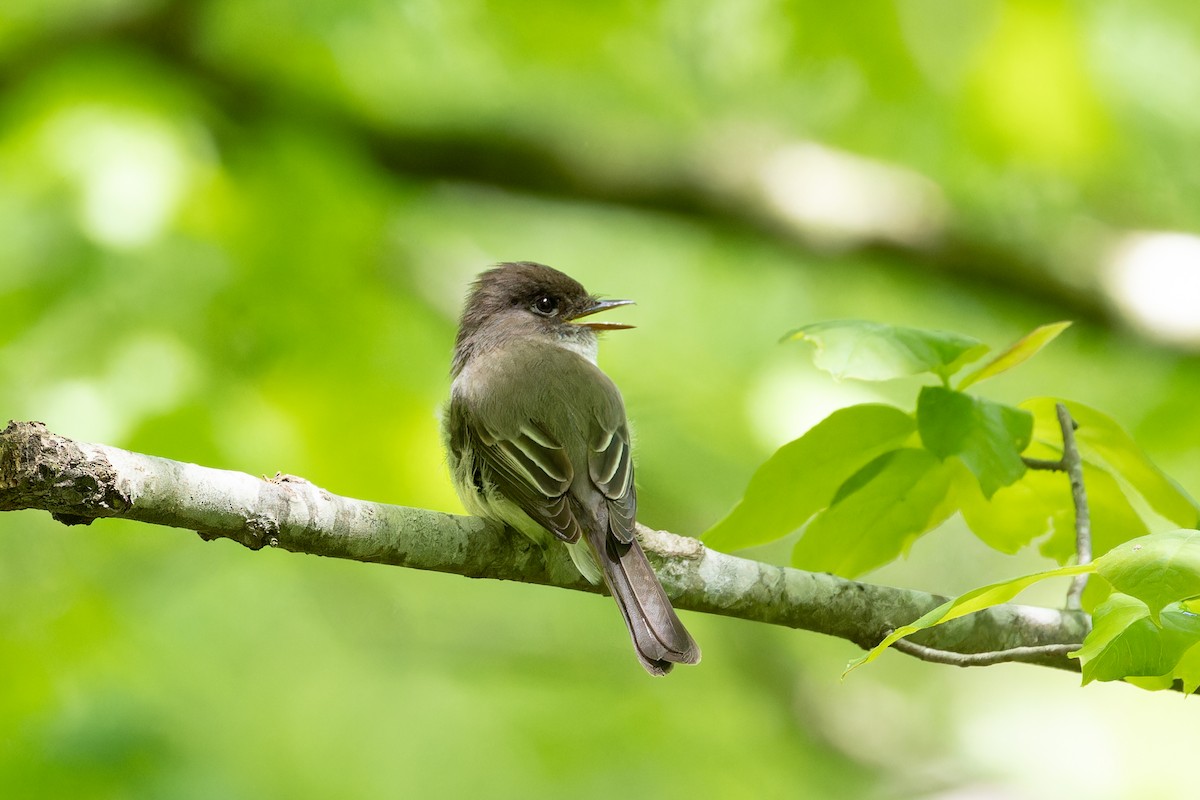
537, 439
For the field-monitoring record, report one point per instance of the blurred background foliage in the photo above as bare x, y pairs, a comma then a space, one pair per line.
237, 232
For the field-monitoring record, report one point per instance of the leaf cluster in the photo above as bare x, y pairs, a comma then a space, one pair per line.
866, 482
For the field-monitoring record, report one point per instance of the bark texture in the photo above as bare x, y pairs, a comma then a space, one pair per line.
78, 482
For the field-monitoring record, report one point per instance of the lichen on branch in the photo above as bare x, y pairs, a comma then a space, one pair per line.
79, 482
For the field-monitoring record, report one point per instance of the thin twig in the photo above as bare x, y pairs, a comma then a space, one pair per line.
1083, 520
1018, 654
1072, 464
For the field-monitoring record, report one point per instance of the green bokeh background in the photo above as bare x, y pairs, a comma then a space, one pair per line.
237, 232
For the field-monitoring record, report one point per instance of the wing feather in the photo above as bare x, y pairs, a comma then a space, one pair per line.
529, 469
611, 470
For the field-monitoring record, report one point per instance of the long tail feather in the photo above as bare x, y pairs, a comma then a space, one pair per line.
658, 636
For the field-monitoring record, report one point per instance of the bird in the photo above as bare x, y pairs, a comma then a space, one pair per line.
537, 438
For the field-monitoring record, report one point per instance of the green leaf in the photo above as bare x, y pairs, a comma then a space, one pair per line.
803, 475
907, 494
1105, 443
1188, 669
1114, 519
989, 437
969, 603
1158, 569
1041, 503
1109, 621
1023, 350
1018, 514
872, 351
1126, 644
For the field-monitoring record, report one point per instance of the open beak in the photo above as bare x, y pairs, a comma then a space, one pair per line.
602, 305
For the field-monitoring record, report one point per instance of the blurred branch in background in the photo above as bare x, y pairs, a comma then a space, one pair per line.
741, 175
79, 482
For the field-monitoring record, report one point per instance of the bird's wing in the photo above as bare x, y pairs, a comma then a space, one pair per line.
611, 470
528, 467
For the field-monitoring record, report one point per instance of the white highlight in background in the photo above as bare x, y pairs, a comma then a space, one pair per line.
841, 199
130, 169
1154, 280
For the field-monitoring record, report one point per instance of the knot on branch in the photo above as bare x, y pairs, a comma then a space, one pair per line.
40, 469
256, 532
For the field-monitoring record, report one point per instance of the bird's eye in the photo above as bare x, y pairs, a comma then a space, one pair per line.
546, 305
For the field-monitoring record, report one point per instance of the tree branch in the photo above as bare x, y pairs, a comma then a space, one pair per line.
78, 482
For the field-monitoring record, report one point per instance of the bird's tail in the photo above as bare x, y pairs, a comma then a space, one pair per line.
658, 636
